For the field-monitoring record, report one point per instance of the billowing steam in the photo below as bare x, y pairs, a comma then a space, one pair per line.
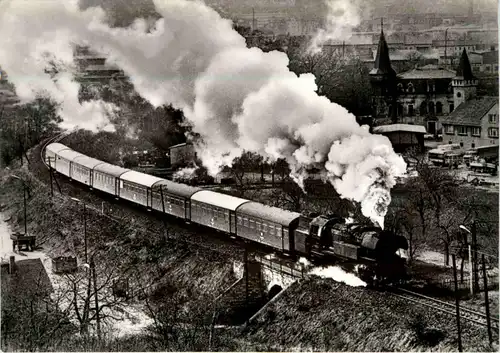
36, 52
339, 275
342, 17
334, 272
236, 98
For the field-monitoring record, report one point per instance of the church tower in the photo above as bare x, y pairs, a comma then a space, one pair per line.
464, 82
383, 81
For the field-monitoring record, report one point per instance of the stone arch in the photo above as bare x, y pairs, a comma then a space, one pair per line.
274, 291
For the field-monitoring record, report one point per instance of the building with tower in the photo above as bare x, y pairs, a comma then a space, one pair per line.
383, 81
424, 95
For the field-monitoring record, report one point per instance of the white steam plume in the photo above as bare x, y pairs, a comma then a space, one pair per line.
37, 36
240, 99
339, 275
342, 17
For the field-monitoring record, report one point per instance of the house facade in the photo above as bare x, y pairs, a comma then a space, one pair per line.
473, 124
423, 95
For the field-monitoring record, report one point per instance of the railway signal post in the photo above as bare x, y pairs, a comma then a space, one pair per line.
457, 302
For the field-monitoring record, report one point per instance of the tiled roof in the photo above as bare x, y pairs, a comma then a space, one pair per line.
471, 112
399, 127
427, 72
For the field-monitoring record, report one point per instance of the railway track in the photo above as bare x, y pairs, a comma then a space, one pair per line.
54, 139
467, 314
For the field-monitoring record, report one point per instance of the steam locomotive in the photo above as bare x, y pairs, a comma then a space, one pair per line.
372, 251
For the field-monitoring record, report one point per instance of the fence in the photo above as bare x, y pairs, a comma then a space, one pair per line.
465, 284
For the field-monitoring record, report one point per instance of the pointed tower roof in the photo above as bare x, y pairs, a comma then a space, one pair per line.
382, 61
464, 70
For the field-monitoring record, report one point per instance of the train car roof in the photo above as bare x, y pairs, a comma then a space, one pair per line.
218, 199
142, 179
69, 154
110, 169
269, 213
178, 189
87, 161
56, 147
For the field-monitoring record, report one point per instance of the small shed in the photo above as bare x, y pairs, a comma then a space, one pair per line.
403, 136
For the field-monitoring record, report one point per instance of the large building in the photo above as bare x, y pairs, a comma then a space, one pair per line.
422, 95
93, 67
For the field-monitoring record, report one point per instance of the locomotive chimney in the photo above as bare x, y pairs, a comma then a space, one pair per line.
12, 264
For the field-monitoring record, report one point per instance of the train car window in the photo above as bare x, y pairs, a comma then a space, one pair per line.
264, 228
252, 224
239, 220
257, 226
226, 216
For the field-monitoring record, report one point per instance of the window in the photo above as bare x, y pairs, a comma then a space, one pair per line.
452, 107
411, 89
473, 145
449, 129
459, 94
410, 110
439, 108
492, 118
476, 131
423, 108
462, 130
400, 110
431, 108
400, 87
493, 132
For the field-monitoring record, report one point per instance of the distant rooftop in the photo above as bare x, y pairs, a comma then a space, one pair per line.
400, 127
471, 112
427, 71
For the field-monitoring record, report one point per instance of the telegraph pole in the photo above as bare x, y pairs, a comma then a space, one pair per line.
85, 230
487, 304
457, 303
51, 186
446, 47
98, 319
474, 256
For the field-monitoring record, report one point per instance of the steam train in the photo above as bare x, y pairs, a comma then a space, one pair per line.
372, 251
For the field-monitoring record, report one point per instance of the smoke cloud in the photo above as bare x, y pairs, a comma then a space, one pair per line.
36, 51
342, 17
236, 98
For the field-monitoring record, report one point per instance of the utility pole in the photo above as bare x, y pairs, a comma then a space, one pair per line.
25, 211
51, 184
475, 265
246, 273
98, 319
446, 47
253, 20
85, 231
25, 204
457, 303
487, 304
84, 226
